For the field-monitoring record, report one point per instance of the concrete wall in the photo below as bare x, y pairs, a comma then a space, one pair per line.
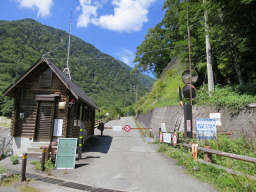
243, 123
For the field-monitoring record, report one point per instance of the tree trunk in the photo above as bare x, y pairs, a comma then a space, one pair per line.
208, 53
238, 69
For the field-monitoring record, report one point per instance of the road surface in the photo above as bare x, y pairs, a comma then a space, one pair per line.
123, 161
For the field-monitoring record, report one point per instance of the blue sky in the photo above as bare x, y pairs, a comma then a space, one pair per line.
115, 27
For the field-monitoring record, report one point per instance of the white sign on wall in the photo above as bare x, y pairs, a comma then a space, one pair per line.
117, 128
58, 125
163, 127
216, 116
206, 128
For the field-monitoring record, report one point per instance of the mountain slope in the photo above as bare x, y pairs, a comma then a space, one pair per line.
104, 79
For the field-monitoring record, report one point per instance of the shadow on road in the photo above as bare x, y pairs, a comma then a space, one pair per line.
98, 144
81, 165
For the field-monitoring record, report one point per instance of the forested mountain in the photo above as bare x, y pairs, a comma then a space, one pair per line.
105, 80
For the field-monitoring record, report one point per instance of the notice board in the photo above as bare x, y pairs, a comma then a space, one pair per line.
206, 128
167, 138
66, 153
58, 126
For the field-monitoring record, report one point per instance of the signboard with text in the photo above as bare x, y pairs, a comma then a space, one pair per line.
216, 116
58, 125
167, 138
66, 153
206, 128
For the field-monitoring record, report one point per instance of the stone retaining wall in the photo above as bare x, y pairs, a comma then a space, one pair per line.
243, 123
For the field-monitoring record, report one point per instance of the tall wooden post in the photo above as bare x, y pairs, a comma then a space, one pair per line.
43, 160
23, 167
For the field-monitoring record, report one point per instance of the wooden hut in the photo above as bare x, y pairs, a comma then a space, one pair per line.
47, 106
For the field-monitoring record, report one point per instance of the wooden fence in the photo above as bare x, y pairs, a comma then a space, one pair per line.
221, 153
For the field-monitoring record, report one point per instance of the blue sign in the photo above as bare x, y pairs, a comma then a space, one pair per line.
206, 128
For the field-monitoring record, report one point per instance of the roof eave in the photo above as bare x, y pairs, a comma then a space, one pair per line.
7, 91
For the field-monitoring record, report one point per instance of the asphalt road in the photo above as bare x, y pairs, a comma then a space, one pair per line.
123, 161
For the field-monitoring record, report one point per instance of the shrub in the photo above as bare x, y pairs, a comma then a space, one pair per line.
2, 170
49, 164
224, 97
14, 159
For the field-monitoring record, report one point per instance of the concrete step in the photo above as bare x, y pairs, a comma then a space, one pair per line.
34, 156
39, 144
34, 149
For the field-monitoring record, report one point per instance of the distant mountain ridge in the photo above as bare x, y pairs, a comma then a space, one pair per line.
106, 80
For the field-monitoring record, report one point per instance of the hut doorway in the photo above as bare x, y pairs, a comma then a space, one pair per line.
44, 122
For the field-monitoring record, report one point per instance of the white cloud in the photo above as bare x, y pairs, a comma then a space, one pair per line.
89, 12
128, 15
43, 7
127, 56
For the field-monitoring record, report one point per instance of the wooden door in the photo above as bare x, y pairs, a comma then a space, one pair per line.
44, 123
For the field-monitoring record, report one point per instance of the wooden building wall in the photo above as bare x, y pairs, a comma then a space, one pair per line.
25, 102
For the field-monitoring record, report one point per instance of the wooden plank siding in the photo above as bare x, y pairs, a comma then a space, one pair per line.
44, 120
37, 96
29, 106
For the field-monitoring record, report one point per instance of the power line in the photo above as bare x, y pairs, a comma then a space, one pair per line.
111, 57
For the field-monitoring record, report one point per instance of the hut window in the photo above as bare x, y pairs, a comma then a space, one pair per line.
46, 79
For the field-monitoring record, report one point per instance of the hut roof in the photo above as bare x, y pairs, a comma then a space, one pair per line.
77, 92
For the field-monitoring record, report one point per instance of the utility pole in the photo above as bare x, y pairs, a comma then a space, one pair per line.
188, 121
66, 70
189, 58
208, 52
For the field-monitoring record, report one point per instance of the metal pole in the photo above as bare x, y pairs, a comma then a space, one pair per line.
23, 167
189, 56
190, 73
80, 145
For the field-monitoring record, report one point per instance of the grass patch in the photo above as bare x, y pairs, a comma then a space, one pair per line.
27, 188
48, 165
163, 92
8, 181
238, 146
2, 170
5, 122
217, 177
37, 164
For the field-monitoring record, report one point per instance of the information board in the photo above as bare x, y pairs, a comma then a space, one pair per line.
117, 128
216, 116
167, 138
58, 125
163, 127
206, 128
66, 153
